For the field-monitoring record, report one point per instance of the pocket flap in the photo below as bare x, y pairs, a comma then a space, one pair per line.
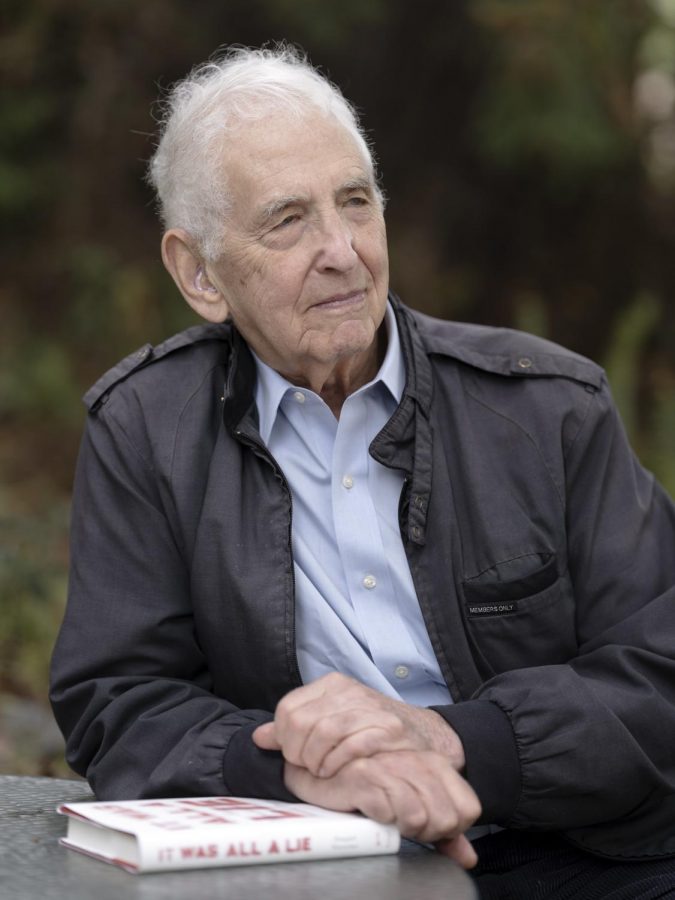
489, 587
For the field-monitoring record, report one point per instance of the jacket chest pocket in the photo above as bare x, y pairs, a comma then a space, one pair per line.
520, 613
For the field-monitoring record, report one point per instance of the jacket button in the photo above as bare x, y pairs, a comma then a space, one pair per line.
524, 362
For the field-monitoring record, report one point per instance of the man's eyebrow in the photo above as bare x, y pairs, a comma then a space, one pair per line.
357, 184
275, 207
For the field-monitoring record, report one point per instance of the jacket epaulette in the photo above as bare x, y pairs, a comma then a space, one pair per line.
505, 351
98, 394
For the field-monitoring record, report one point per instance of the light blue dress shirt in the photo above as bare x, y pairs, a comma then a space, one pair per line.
356, 607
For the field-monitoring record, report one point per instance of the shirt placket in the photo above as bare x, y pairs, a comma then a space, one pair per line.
361, 547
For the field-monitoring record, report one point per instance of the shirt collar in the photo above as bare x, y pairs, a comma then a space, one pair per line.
271, 386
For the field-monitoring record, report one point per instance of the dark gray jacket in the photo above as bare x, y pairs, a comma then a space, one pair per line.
541, 552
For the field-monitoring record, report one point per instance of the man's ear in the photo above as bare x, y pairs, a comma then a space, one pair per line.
187, 269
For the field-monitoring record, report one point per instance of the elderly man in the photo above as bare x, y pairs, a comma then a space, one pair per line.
328, 548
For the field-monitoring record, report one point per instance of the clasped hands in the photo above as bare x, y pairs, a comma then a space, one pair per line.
348, 747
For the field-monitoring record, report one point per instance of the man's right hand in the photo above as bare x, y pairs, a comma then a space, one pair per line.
418, 791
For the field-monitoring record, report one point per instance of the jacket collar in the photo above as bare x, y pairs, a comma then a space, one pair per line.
271, 387
239, 397
405, 441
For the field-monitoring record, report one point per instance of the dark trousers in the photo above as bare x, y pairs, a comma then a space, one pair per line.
525, 866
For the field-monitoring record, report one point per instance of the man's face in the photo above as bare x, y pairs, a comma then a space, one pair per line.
304, 269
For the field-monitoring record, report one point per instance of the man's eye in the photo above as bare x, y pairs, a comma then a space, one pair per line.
287, 220
357, 200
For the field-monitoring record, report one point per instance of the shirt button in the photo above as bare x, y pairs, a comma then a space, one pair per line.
299, 396
401, 671
348, 482
369, 582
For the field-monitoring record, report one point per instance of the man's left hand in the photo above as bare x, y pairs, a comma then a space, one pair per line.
326, 724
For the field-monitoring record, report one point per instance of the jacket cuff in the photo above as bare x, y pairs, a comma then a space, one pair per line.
249, 771
492, 762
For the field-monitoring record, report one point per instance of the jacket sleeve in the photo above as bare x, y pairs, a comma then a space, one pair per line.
130, 687
589, 744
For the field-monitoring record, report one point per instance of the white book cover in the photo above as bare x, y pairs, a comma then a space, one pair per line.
195, 832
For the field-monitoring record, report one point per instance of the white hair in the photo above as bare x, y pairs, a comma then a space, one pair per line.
200, 114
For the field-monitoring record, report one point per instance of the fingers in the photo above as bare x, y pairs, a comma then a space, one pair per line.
346, 792
334, 720
418, 791
288, 731
460, 849
354, 788
446, 805
265, 737
332, 742
355, 737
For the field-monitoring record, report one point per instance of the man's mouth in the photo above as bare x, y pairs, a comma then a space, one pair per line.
339, 301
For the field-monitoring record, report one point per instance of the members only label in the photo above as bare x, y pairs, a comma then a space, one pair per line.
493, 609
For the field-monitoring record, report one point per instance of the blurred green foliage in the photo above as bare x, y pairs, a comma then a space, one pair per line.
32, 575
562, 89
527, 148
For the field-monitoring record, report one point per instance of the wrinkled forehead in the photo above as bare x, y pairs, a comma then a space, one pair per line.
282, 153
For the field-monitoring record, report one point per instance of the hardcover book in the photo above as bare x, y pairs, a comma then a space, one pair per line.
194, 832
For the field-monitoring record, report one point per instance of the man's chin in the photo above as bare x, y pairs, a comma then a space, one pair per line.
352, 339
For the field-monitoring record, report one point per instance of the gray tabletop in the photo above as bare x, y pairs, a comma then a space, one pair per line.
34, 865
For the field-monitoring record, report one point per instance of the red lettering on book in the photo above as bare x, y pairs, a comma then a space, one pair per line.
243, 848
210, 851
297, 845
234, 803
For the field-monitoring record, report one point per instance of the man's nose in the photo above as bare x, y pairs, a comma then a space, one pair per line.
336, 244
